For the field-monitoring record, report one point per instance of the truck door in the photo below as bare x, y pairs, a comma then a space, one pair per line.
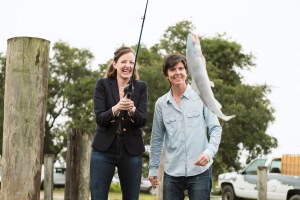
247, 183
277, 186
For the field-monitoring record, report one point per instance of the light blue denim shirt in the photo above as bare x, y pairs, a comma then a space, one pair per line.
184, 134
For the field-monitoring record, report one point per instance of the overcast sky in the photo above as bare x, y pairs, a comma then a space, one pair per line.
270, 29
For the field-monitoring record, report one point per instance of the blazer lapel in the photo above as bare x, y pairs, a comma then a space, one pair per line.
114, 89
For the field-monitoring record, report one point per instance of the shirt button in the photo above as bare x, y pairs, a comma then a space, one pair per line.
124, 129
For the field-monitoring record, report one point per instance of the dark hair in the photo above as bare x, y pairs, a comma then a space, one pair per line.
173, 59
111, 71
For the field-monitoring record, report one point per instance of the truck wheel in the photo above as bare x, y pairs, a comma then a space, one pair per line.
228, 193
295, 197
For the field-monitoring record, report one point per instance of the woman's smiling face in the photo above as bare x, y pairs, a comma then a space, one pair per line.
124, 65
177, 74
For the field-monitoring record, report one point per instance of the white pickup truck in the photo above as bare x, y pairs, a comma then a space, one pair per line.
243, 184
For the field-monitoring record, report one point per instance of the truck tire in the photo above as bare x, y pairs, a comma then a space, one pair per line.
295, 197
228, 193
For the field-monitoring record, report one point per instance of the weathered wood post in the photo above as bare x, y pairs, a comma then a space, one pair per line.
262, 182
26, 84
78, 165
48, 176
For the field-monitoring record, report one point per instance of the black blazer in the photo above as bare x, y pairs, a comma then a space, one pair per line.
106, 95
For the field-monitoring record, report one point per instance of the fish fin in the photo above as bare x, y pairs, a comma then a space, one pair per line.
226, 117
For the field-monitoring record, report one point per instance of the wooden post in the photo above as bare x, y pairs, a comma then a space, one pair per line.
78, 165
26, 84
48, 176
160, 176
262, 182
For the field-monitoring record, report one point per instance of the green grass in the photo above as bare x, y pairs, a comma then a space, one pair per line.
143, 196
113, 195
118, 196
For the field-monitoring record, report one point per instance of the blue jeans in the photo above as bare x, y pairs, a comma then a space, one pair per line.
198, 187
103, 166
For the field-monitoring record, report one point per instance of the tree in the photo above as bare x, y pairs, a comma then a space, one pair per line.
70, 90
150, 65
174, 38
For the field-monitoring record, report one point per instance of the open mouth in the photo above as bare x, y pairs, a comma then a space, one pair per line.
126, 71
177, 77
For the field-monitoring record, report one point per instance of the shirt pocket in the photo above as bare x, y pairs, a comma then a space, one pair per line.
171, 125
193, 119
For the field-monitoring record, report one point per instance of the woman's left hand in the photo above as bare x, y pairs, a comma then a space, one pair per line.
131, 111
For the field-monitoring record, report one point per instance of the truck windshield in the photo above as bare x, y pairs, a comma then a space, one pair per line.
251, 169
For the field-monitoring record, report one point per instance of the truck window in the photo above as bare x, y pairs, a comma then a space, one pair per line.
60, 170
251, 169
275, 166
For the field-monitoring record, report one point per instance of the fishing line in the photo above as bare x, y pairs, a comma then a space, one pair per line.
128, 89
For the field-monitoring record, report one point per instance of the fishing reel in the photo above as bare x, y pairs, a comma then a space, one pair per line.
128, 90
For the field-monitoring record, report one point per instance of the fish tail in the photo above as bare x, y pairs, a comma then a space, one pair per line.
227, 118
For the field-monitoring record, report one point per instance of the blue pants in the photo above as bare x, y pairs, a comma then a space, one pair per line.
198, 187
103, 166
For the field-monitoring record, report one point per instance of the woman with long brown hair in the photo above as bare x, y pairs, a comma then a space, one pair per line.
118, 141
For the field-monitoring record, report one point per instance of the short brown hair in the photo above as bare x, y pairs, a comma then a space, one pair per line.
111, 71
171, 60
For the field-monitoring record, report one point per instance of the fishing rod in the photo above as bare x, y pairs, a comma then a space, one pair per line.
128, 89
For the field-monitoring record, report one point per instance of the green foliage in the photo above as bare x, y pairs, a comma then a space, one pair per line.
174, 38
70, 94
222, 59
145, 161
151, 72
80, 95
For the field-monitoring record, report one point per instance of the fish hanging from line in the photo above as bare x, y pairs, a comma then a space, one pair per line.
200, 80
